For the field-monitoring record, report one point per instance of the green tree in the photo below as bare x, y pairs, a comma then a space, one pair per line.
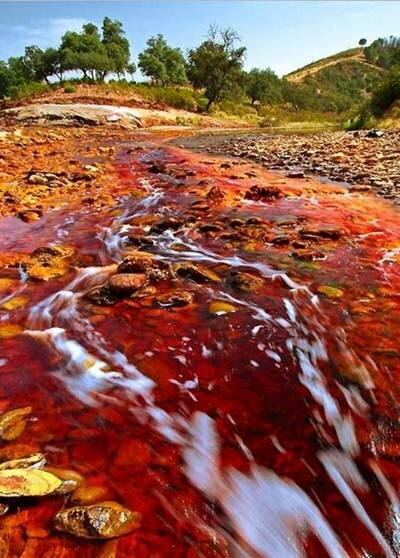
263, 86
8, 79
117, 48
163, 64
85, 52
216, 63
28, 66
386, 93
52, 64
362, 42
299, 96
384, 52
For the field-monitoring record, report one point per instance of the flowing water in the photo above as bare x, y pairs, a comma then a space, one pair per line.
268, 431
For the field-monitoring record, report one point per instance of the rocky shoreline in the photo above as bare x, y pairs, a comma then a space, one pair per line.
364, 159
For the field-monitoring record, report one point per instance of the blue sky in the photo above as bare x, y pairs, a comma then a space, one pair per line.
283, 35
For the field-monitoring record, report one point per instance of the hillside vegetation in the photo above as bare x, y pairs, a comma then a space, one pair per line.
356, 85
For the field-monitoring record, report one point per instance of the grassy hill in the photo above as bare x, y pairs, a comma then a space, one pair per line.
340, 81
350, 55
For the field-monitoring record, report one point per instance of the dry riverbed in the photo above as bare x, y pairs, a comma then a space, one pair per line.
362, 159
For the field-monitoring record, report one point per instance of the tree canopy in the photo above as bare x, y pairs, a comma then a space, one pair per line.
216, 63
263, 86
163, 64
214, 69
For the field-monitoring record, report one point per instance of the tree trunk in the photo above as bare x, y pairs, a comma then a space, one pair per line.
209, 103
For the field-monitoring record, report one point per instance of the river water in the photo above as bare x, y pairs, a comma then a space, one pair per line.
269, 430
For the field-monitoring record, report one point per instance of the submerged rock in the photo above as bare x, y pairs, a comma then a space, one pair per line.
49, 262
143, 262
308, 254
210, 228
102, 296
170, 223
322, 231
8, 331
85, 495
257, 193
330, 292
196, 273
99, 521
27, 482
175, 298
244, 281
125, 283
34, 461
220, 307
215, 194
12, 423
70, 480
30, 215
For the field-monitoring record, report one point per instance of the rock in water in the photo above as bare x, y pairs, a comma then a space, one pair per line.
12, 423
85, 495
220, 307
102, 296
196, 273
99, 521
143, 262
27, 482
175, 298
34, 461
244, 281
70, 480
127, 282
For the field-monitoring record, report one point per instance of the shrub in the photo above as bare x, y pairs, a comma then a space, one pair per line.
32, 89
69, 88
386, 94
236, 108
360, 120
177, 97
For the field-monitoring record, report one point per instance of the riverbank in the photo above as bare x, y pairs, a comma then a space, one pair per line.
362, 159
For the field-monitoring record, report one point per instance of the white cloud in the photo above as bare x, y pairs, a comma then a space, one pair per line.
49, 32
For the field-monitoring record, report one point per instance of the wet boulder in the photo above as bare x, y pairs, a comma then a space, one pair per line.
169, 223
99, 521
236, 223
322, 231
145, 263
27, 482
33, 461
196, 273
30, 215
220, 307
48, 262
215, 194
209, 228
263, 193
12, 423
70, 480
243, 281
374, 134
200, 205
157, 167
38, 179
296, 174
85, 495
126, 283
175, 298
308, 255
102, 296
